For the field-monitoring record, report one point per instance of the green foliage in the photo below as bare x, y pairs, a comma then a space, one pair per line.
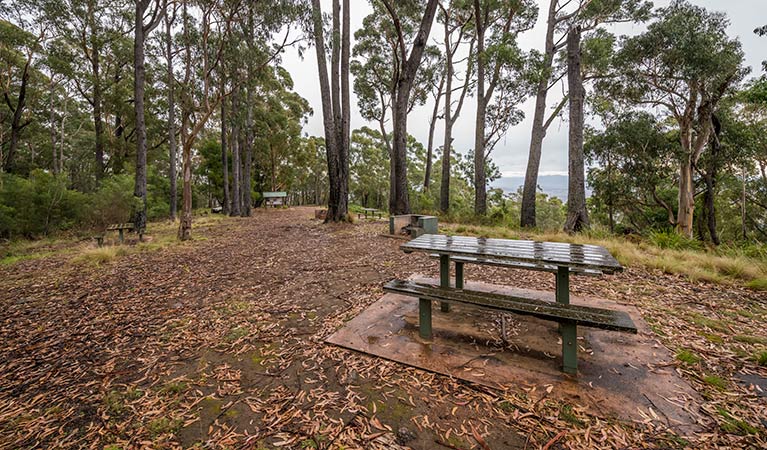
38, 205
113, 202
669, 239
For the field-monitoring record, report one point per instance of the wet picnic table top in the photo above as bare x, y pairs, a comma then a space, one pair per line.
549, 253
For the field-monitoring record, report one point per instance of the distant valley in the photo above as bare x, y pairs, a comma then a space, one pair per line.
553, 185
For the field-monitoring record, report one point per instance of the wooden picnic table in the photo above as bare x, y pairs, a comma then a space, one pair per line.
560, 258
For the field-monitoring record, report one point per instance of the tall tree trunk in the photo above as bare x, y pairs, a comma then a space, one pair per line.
480, 193
447, 142
743, 205
710, 179
336, 198
577, 215
139, 80
248, 160
530, 188
52, 127
236, 165
401, 204
62, 132
98, 122
686, 198
343, 151
172, 159
430, 145
226, 206
185, 224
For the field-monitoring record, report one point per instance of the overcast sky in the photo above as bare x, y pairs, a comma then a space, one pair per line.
511, 152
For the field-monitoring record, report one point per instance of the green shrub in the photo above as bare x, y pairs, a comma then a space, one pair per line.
38, 205
113, 202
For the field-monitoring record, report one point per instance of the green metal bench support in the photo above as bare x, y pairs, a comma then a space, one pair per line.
424, 318
568, 331
444, 278
458, 275
568, 316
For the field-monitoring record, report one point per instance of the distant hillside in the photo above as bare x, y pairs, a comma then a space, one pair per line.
553, 185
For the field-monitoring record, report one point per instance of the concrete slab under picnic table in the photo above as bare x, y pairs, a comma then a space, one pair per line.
625, 376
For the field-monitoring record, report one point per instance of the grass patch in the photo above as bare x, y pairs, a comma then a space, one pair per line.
713, 324
100, 255
174, 388
567, 414
733, 425
687, 357
713, 338
715, 381
163, 425
758, 284
761, 358
236, 333
748, 339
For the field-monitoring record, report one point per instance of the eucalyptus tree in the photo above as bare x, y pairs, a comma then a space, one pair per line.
561, 16
685, 63
199, 97
632, 168
258, 21
410, 62
334, 89
456, 21
369, 167
499, 61
142, 27
90, 29
169, 18
20, 48
376, 67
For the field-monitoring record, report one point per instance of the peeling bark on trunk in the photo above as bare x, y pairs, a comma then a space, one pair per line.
577, 215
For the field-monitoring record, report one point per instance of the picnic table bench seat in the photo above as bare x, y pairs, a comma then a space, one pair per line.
587, 316
519, 265
121, 228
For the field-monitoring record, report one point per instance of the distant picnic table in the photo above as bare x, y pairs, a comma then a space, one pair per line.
562, 259
371, 211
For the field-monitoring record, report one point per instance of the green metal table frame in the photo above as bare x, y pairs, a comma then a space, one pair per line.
568, 331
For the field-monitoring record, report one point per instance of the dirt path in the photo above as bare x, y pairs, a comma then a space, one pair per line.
220, 343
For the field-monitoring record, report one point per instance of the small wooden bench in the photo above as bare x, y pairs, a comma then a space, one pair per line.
566, 314
518, 265
121, 228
